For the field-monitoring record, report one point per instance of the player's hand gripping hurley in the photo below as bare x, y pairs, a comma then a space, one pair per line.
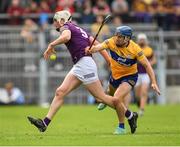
106, 19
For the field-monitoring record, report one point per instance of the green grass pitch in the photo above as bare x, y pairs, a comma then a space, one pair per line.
85, 125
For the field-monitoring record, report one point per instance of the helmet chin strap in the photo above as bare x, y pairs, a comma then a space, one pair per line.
69, 18
58, 29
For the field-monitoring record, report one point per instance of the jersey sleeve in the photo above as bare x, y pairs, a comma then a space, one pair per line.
65, 27
106, 44
139, 53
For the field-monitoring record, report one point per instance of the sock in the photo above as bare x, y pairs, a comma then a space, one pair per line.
46, 121
142, 110
121, 125
128, 114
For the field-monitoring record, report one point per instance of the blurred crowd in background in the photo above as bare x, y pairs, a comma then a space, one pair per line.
11, 94
33, 16
165, 13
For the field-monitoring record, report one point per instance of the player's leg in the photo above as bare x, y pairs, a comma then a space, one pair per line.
137, 90
122, 92
124, 86
110, 91
127, 99
70, 82
143, 92
96, 89
86, 71
144, 97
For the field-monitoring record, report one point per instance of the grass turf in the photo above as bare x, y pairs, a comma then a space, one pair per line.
84, 125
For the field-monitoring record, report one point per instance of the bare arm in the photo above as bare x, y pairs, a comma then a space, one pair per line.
151, 74
63, 38
106, 56
153, 60
104, 53
149, 69
91, 40
96, 48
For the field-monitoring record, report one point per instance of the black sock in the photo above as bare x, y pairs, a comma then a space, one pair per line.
46, 121
128, 114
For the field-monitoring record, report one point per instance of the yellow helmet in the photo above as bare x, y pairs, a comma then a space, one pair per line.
65, 15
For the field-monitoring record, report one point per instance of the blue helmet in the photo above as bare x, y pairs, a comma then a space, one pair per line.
124, 31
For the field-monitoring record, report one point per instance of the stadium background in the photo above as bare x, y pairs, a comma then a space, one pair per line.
21, 55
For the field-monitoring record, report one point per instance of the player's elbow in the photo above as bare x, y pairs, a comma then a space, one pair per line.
66, 36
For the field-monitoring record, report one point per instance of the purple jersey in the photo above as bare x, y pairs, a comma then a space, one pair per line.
78, 42
141, 68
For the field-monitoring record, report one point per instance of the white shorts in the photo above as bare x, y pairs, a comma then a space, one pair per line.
85, 70
143, 78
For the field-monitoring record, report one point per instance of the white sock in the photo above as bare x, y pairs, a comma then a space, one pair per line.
130, 116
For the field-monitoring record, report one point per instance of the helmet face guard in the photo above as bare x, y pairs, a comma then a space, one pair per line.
121, 40
58, 29
121, 35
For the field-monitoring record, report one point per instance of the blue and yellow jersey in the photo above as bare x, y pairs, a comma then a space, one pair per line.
123, 60
148, 52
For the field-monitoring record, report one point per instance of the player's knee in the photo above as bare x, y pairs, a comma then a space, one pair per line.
60, 92
115, 101
144, 94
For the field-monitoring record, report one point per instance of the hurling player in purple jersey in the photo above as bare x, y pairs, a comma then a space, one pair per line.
83, 72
